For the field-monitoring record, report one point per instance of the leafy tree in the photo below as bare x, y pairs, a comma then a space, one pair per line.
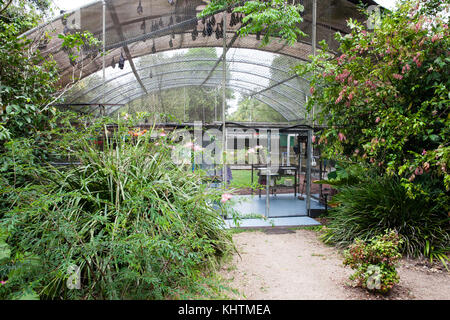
385, 99
26, 81
274, 18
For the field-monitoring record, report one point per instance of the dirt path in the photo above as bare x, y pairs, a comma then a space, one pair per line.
295, 264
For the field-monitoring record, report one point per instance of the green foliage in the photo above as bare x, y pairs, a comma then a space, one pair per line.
23, 14
344, 175
27, 81
73, 43
253, 110
375, 203
385, 99
274, 18
375, 262
27, 84
136, 224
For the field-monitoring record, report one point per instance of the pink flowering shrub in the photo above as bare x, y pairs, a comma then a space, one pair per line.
386, 95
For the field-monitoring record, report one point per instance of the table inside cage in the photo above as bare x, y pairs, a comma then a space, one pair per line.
282, 178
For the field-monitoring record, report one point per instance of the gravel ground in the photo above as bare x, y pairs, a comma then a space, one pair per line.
296, 265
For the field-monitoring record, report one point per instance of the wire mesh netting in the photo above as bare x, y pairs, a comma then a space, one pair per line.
158, 46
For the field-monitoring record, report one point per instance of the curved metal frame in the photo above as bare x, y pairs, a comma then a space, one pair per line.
282, 109
190, 80
125, 31
187, 70
78, 94
232, 86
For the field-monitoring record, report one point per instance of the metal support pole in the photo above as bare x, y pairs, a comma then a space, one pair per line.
215, 105
308, 172
300, 150
268, 171
314, 40
184, 110
320, 174
104, 51
314, 27
224, 102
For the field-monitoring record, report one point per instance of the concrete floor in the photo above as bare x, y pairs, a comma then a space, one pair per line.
285, 211
281, 205
272, 222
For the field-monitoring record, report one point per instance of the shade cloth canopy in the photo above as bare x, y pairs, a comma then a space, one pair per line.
152, 36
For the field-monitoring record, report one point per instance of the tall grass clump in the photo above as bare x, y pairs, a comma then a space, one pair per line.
134, 223
366, 208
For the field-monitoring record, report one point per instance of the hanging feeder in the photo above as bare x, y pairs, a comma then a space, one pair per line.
153, 47
170, 43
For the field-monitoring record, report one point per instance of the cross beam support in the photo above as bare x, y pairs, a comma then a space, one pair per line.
117, 24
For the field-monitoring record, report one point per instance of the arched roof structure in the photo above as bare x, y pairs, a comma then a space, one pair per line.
136, 29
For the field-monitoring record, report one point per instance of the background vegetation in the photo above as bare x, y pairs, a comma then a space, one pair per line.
386, 106
137, 225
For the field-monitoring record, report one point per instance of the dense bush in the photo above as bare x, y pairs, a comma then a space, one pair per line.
384, 100
372, 203
28, 82
136, 224
375, 262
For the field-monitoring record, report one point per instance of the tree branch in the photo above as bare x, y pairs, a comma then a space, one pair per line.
6, 7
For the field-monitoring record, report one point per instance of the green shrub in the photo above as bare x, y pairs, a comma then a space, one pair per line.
137, 225
376, 203
375, 262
